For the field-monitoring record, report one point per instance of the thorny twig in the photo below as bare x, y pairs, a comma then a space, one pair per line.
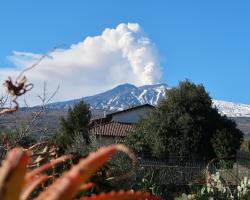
20, 86
3, 99
15, 90
38, 61
45, 101
31, 123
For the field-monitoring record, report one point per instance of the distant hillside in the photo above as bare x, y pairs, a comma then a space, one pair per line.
46, 124
244, 124
119, 98
50, 121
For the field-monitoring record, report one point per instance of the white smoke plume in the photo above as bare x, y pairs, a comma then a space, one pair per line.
120, 55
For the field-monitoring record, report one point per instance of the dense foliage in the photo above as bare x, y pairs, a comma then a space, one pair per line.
186, 124
74, 125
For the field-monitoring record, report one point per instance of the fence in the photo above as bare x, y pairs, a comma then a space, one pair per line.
243, 164
175, 171
187, 171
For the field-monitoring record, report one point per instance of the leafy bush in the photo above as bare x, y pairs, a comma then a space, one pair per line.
186, 124
80, 147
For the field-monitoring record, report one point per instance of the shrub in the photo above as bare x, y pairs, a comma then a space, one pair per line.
186, 124
74, 125
16, 183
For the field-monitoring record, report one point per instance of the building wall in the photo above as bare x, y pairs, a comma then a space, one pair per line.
105, 140
131, 116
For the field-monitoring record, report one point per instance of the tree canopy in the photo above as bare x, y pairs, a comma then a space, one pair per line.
185, 124
75, 124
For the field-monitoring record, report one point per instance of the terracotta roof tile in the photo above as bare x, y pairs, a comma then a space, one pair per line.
113, 129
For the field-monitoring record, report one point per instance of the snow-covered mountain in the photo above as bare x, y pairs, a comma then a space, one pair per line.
120, 97
126, 95
232, 109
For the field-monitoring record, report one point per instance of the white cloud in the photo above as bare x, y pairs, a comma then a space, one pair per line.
121, 55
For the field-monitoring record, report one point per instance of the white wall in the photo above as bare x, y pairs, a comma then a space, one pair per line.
131, 116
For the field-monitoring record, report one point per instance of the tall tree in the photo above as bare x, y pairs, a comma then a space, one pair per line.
184, 124
75, 124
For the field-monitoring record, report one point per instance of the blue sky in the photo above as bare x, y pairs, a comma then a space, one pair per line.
207, 42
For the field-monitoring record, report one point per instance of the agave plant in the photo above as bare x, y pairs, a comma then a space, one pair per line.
17, 182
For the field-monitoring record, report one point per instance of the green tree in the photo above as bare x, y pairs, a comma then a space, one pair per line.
74, 125
184, 124
227, 138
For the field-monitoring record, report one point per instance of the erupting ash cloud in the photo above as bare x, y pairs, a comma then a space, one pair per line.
120, 55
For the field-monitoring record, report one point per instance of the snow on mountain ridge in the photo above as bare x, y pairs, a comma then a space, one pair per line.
232, 109
127, 95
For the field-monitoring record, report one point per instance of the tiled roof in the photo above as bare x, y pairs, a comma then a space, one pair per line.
113, 129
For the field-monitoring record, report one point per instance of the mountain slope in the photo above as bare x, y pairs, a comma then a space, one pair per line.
232, 109
120, 97
126, 95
